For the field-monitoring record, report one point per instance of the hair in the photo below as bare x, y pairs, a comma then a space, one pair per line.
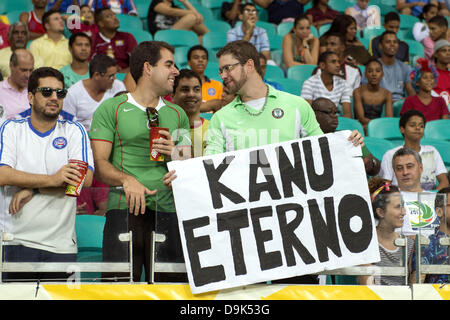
422, 66
85, 5
381, 199
324, 56
300, 18
241, 50
372, 59
426, 8
321, 101
100, 63
14, 59
46, 17
391, 16
439, 201
185, 73
404, 118
385, 33
340, 24
337, 35
98, 14
17, 24
406, 152
146, 51
439, 20
43, 72
243, 5
75, 35
197, 47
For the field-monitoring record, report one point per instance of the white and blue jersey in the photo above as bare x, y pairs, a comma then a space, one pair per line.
46, 222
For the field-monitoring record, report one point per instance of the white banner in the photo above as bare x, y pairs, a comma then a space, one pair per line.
274, 212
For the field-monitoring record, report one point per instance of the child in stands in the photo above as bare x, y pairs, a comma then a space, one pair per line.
438, 27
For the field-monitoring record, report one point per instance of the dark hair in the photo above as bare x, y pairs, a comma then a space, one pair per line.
243, 5
197, 47
241, 50
373, 59
439, 200
426, 8
43, 72
405, 152
404, 118
98, 14
299, 18
186, 73
324, 56
340, 24
439, 20
384, 34
75, 35
46, 17
337, 35
100, 63
85, 5
381, 199
146, 51
391, 16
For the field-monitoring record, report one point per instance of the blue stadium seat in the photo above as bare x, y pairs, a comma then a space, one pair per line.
180, 57
340, 5
416, 50
385, 128
378, 146
206, 13
300, 72
14, 5
371, 32
324, 28
289, 85
214, 40
141, 35
275, 42
217, 25
349, 124
142, 8
177, 38
273, 72
396, 108
206, 115
407, 21
438, 129
214, 5
285, 27
13, 16
128, 22
89, 231
212, 71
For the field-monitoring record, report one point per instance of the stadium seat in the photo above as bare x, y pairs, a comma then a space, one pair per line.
212, 71
396, 107
14, 5
89, 231
405, 34
263, 15
141, 35
13, 16
340, 5
269, 27
407, 21
206, 13
349, 124
214, 40
217, 25
274, 72
385, 128
206, 115
372, 32
142, 8
324, 28
378, 146
128, 22
438, 129
215, 7
442, 146
300, 72
177, 38
180, 57
285, 27
289, 85
416, 50
275, 42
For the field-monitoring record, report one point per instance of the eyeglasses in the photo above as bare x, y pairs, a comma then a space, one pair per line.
228, 68
110, 77
47, 92
251, 11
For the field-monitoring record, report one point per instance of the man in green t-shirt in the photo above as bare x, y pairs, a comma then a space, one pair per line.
80, 49
121, 146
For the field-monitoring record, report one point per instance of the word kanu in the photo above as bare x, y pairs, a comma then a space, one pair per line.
324, 229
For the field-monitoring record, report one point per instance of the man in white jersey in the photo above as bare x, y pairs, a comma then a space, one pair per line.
84, 96
34, 172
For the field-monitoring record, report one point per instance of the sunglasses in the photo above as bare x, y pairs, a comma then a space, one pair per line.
47, 92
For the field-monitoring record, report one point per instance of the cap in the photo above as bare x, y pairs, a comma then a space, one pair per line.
440, 44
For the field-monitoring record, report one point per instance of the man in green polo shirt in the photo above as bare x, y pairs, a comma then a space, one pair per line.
121, 146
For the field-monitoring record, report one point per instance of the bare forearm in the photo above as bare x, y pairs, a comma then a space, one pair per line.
13, 177
108, 174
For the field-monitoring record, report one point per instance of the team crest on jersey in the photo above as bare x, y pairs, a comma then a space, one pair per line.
211, 91
277, 113
59, 143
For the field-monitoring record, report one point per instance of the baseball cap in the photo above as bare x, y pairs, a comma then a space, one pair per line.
440, 44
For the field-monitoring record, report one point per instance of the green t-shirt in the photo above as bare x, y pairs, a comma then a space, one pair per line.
71, 77
284, 117
123, 122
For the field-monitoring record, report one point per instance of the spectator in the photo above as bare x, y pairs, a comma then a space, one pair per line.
263, 66
370, 99
299, 45
355, 50
4, 28
52, 48
116, 6
63, 6
18, 39
197, 59
327, 116
80, 49
441, 58
120, 142
390, 214
396, 73
187, 93
321, 13
412, 125
248, 30
84, 97
230, 11
34, 166
115, 44
391, 23
85, 23
438, 27
328, 84
164, 14
33, 19
423, 79
420, 29
410, 7
13, 90
282, 10
366, 16
335, 42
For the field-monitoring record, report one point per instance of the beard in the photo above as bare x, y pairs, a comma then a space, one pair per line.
46, 115
237, 84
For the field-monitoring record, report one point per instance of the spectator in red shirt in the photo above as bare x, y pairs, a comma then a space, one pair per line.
108, 40
441, 57
33, 18
85, 22
423, 79
321, 13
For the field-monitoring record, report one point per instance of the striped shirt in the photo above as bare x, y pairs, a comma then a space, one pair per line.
314, 88
259, 38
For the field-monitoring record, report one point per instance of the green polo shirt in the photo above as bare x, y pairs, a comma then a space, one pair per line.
122, 122
285, 117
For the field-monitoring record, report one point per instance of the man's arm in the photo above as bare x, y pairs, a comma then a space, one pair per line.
442, 181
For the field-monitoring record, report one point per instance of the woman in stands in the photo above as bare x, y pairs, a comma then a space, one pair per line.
423, 79
370, 99
321, 13
388, 209
300, 46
